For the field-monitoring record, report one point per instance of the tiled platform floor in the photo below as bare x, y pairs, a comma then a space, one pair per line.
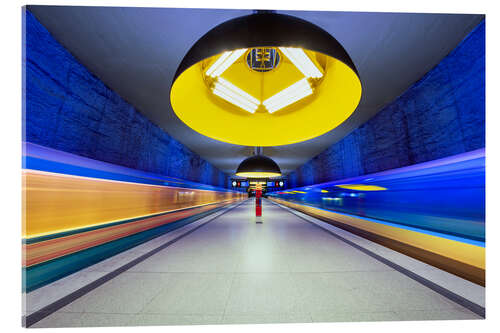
235, 271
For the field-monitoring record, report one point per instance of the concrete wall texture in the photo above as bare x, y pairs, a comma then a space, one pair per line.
69, 109
440, 115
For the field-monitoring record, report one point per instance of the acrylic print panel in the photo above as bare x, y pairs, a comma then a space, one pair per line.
130, 217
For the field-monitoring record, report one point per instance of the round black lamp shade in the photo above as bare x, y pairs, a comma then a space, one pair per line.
270, 71
264, 29
258, 166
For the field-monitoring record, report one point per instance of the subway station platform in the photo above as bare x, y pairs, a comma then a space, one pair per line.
230, 270
149, 149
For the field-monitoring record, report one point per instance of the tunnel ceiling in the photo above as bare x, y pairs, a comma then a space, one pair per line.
136, 51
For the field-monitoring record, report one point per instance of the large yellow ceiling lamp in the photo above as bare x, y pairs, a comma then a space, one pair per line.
265, 80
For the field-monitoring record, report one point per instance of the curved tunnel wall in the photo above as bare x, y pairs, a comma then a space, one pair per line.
442, 114
67, 108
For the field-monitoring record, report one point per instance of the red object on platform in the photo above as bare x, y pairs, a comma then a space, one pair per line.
258, 203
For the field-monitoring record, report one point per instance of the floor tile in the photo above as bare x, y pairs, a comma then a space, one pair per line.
197, 262
402, 299
450, 314
327, 292
258, 261
354, 316
264, 293
104, 319
192, 293
126, 293
144, 319
267, 318
46, 295
60, 320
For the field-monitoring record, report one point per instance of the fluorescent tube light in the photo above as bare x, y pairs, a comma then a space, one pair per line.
234, 96
234, 101
290, 95
223, 62
300, 59
237, 90
231, 93
217, 63
299, 85
290, 100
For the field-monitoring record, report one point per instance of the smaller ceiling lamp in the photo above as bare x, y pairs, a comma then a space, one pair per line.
258, 166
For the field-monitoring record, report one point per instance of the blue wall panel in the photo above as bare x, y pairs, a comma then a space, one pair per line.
69, 109
440, 115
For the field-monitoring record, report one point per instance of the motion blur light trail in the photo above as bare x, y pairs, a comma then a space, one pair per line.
434, 211
361, 187
60, 203
78, 211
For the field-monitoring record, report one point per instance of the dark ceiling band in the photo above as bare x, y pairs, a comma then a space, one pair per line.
264, 29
